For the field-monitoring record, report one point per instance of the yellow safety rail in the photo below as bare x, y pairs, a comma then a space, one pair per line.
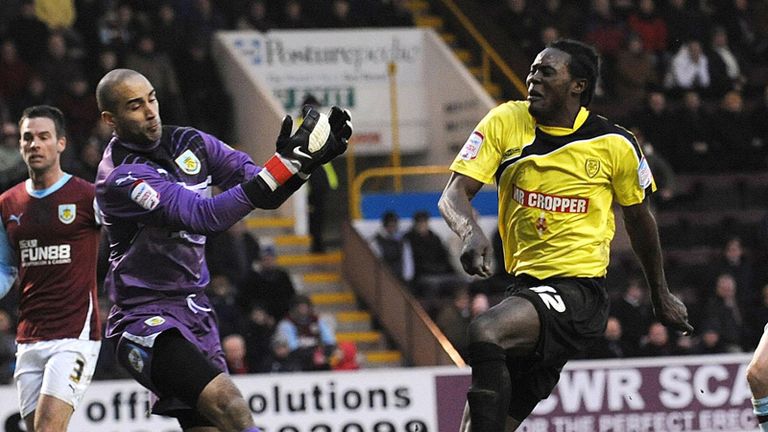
355, 190
488, 51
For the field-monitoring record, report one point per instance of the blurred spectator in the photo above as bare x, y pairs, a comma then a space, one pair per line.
709, 343
611, 345
341, 16
106, 60
564, 15
453, 320
757, 119
14, 72
684, 22
269, 285
258, 329
280, 358
168, 32
255, 17
547, 35
88, 160
234, 353
29, 33
78, 103
604, 30
725, 66
56, 14
663, 173
159, 70
651, 27
635, 72
233, 253
689, 69
723, 313
742, 23
12, 167
394, 13
389, 245
656, 342
118, 28
58, 68
308, 337
755, 319
633, 312
694, 151
293, 16
434, 278
520, 22
203, 20
734, 260
222, 297
345, 357
732, 130
7, 348
656, 121
36, 93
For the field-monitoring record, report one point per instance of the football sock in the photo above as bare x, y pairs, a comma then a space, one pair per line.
761, 411
488, 397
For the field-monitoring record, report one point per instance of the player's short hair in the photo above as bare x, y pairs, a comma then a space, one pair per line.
105, 94
46, 111
584, 64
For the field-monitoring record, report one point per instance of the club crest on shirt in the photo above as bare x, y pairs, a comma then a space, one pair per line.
67, 213
592, 166
188, 162
472, 146
154, 321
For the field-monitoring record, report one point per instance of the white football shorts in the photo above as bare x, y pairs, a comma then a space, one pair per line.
62, 368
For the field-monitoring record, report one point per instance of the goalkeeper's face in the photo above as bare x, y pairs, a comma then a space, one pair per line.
137, 119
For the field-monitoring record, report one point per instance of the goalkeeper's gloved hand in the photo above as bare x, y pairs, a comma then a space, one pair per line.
341, 128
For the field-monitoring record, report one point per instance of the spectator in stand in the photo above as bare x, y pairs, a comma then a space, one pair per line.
14, 72
742, 22
434, 277
344, 358
734, 260
87, 162
633, 312
389, 245
684, 21
341, 16
725, 65
663, 173
258, 329
78, 103
656, 342
106, 60
233, 254
611, 345
222, 296
269, 285
605, 30
755, 319
159, 70
7, 348
36, 93
12, 167
689, 69
708, 343
309, 338
732, 130
394, 13
635, 72
168, 32
203, 20
520, 22
564, 15
757, 120
655, 120
118, 27
694, 150
294, 17
255, 17
454, 318
651, 27
234, 354
280, 358
58, 68
29, 33
724, 314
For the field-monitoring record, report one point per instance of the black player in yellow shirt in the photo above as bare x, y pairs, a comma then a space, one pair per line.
558, 169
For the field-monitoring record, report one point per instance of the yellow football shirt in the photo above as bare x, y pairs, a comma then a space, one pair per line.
556, 187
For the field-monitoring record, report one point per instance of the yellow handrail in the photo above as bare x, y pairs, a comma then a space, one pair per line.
486, 47
355, 190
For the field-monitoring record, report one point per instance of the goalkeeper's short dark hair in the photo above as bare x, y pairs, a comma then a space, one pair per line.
584, 64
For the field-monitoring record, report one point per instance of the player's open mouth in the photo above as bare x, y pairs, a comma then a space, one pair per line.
534, 95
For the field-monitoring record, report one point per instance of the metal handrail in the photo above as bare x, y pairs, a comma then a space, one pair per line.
355, 190
488, 50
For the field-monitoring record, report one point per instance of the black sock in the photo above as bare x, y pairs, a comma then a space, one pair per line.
488, 397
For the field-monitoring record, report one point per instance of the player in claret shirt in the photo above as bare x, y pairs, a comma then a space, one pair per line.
49, 238
153, 186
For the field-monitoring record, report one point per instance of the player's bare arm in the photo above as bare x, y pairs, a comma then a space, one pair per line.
456, 209
644, 235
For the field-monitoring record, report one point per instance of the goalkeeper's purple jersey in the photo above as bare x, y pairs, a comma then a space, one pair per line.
157, 210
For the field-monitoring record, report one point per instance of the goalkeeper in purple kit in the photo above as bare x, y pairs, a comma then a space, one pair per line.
154, 190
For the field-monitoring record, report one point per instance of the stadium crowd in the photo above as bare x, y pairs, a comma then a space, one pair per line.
690, 77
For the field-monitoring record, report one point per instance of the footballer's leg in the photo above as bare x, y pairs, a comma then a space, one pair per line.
51, 415
221, 400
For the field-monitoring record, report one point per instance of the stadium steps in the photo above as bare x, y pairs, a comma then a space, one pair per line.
318, 275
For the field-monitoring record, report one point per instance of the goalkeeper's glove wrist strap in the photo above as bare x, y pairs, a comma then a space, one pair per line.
277, 171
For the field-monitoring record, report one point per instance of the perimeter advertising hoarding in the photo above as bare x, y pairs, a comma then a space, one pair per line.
642, 395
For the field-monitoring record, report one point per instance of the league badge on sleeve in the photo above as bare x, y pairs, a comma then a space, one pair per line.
144, 195
67, 213
644, 175
472, 146
188, 162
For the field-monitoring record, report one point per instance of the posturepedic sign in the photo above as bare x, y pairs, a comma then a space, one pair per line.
707, 393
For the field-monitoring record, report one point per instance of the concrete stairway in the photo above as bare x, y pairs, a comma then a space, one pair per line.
319, 277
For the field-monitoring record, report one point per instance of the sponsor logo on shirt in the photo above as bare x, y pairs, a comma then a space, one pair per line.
644, 175
33, 255
144, 195
553, 203
188, 162
67, 213
472, 146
